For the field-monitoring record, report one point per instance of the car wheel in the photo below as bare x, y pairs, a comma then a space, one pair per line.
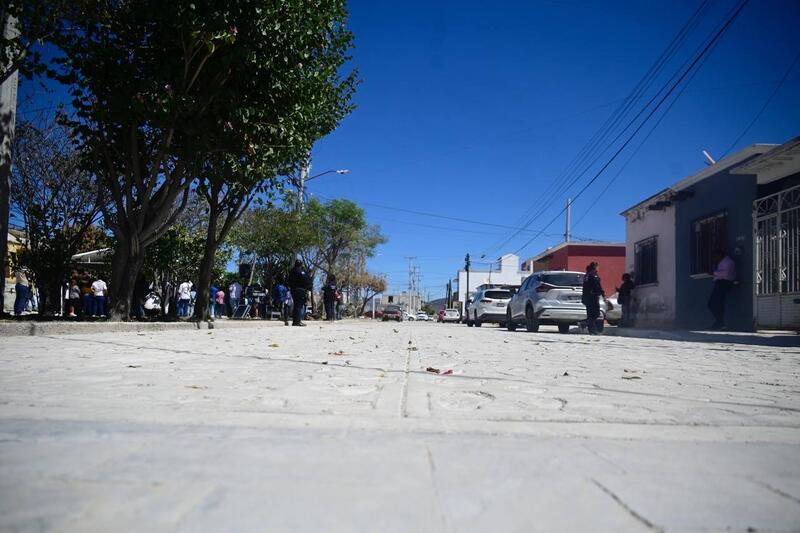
531, 322
563, 328
510, 325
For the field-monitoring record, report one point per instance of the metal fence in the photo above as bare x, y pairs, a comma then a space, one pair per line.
776, 225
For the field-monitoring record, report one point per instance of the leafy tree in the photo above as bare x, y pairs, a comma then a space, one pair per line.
274, 237
341, 229
289, 94
365, 286
156, 84
57, 200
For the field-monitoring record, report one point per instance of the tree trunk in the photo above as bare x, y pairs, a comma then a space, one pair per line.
206, 266
125, 267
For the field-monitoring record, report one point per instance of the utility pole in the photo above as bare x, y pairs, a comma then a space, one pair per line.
467, 264
411, 284
8, 110
566, 231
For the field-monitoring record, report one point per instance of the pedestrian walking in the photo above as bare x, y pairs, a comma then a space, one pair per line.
21, 290
592, 292
184, 298
300, 283
281, 296
212, 303
724, 280
87, 299
339, 305
220, 300
234, 296
74, 301
99, 293
329, 298
624, 295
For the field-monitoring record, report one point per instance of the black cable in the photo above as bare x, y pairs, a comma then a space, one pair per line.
644, 141
611, 123
702, 54
763, 107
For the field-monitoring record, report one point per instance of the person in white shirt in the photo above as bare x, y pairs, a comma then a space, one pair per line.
184, 297
99, 290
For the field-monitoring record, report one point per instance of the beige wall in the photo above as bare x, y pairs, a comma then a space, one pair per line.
654, 305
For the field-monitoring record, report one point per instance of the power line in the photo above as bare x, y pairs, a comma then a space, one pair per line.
589, 150
436, 215
697, 59
763, 107
644, 141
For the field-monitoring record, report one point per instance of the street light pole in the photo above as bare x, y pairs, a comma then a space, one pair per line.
301, 181
303, 177
467, 264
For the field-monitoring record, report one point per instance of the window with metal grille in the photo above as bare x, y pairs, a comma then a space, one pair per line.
645, 262
708, 234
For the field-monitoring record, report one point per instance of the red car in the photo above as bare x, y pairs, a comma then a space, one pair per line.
393, 312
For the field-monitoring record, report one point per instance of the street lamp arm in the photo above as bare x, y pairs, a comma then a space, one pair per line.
340, 171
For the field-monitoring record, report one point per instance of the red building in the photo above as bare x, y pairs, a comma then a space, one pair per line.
576, 255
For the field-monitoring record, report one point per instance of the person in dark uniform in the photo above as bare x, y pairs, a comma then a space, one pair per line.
592, 292
300, 284
329, 298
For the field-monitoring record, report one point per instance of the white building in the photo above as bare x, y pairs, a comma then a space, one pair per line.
504, 272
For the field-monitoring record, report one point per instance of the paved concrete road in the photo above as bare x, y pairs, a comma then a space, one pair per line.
340, 427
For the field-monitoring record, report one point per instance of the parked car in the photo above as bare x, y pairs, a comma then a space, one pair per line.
378, 314
407, 315
392, 312
550, 298
614, 313
422, 315
488, 305
451, 315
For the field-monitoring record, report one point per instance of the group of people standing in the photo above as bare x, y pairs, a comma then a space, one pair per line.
87, 296
724, 279
333, 300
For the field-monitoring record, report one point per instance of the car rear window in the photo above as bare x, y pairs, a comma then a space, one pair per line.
498, 295
563, 280
392, 308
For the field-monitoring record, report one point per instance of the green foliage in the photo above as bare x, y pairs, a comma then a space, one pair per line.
56, 199
233, 93
177, 254
332, 238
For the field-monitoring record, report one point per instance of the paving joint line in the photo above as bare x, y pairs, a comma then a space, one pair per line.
647, 523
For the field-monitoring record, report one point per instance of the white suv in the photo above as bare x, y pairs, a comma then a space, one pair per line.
488, 305
550, 297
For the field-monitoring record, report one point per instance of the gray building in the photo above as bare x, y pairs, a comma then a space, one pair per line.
747, 204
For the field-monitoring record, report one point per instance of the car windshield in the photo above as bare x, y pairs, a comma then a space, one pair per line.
563, 279
497, 295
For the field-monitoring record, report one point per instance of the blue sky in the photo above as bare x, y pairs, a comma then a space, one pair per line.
469, 109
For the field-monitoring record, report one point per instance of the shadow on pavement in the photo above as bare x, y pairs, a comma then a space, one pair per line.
781, 339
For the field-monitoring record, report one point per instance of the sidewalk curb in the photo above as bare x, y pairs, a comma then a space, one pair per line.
30, 328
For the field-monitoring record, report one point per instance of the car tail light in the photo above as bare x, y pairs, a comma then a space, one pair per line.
544, 287
485, 301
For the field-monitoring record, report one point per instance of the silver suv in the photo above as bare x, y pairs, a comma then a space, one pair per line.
551, 297
488, 305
